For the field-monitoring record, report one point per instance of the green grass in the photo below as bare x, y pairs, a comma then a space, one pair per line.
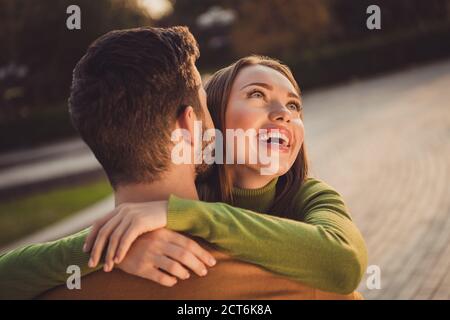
22, 217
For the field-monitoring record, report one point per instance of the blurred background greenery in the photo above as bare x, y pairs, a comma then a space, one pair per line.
324, 41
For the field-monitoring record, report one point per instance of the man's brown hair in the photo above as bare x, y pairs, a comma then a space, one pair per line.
126, 93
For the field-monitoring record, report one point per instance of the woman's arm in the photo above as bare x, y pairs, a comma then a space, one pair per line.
31, 270
27, 272
325, 251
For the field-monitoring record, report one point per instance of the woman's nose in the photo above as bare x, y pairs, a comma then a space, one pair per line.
280, 113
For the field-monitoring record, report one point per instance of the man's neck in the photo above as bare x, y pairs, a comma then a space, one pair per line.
179, 181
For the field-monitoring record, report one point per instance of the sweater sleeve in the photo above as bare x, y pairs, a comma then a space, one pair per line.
325, 250
29, 271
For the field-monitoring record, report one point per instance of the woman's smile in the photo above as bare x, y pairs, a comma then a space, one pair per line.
276, 138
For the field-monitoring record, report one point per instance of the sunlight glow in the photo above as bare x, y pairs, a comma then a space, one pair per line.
156, 8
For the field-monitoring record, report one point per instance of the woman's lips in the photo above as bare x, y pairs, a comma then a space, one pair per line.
276, 138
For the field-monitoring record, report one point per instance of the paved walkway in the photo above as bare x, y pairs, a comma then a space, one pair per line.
22, 168
384, 144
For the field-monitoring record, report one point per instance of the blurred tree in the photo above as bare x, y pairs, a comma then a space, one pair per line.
227, 29
280, 28
35, 37
349, 17
287, 29
205, 20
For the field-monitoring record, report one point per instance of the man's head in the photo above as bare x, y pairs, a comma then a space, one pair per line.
128, 91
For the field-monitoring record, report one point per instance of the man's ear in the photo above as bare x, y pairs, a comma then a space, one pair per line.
186, 121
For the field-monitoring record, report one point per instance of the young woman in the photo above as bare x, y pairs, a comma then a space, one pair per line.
287, 222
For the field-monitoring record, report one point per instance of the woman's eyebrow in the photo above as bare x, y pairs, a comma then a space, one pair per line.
293, 95
261, 84
269, 87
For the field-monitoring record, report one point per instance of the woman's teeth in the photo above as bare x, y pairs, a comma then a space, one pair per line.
275, 137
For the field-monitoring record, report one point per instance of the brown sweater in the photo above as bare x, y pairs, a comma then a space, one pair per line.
228, 279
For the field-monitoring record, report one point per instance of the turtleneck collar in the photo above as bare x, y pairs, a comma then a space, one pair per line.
259, 199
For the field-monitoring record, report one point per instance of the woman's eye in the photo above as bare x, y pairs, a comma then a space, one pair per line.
256, 94
294, 107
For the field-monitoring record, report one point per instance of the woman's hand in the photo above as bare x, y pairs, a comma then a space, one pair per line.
120, 228
167, 250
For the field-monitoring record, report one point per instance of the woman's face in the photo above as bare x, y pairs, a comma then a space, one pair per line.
263, 98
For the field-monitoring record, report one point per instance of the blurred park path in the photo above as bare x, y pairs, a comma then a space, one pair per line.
34, 168
63, 148
384, 144
58, 164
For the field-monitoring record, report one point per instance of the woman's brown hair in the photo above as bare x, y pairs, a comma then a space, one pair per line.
217, 185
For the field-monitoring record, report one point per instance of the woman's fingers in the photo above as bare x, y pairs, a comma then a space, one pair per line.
95, 229
172, 267
100, 241
134, 230
114, 242
192, 246
185, 257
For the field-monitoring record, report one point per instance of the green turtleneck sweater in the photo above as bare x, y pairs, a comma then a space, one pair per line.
322, 247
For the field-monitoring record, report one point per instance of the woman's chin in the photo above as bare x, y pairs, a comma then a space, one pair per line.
274, 170
284, 168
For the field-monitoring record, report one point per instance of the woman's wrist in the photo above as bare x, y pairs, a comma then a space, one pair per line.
162, 211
